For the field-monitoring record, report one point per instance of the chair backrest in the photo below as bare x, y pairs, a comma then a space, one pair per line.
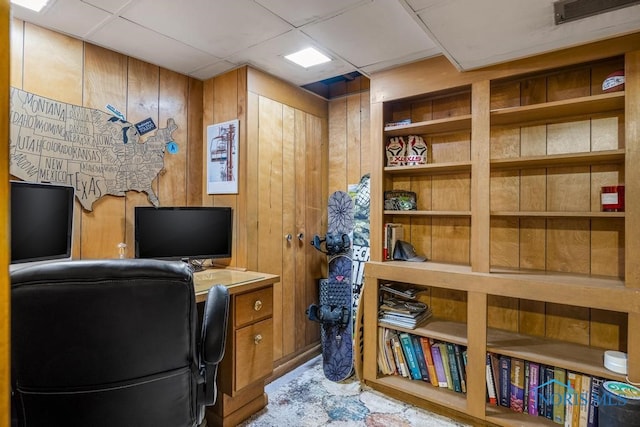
105, 343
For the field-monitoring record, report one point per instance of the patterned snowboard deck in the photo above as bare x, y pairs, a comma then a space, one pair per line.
361, 254
337, 340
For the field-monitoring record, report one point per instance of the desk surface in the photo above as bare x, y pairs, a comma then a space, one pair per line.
235, 280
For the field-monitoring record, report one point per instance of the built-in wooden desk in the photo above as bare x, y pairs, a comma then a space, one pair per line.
248, 357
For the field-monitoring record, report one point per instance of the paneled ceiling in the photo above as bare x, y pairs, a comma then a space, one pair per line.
204, 38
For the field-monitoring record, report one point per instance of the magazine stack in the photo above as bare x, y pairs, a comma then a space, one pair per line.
401, 308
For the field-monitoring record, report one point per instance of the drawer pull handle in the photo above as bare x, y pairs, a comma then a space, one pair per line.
257, 305
257, 339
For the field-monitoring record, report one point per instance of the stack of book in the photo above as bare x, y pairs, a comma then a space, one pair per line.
406, 314
400, 307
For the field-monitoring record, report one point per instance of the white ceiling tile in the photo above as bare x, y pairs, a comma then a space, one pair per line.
378, 31
269, 56
111, 6
418, 5
306, 11
214, 69
71, 17
383, 65
150, 46
220, 27
515, 29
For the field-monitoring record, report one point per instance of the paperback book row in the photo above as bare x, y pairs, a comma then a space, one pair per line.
565, 397
439, 363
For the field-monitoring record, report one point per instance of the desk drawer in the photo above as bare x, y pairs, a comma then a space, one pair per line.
254, 353
253, 306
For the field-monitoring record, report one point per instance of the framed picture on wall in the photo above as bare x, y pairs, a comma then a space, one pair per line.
222, 158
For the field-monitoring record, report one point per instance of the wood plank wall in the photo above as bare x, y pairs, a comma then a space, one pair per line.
88, 75
5, 295
349, 128
68, 70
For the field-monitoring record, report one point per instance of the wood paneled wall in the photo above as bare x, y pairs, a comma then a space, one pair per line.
5, 296
68, 70
333, 142
349, 141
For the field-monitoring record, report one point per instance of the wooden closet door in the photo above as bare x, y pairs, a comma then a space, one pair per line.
289, 213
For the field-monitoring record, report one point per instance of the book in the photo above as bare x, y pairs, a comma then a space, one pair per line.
594, 401
495, 367
426, 349
445, 364
516, 389
505, 381
585, 393
408, 293
383, 364
462, 366
437, 361
409, 322
453, 367
420, 357
491, 384
399, 355
570, 398
575, 413
393, 365
410, 356
525, 399
392, 231
386, 360
534, 376
559, 389
546, 398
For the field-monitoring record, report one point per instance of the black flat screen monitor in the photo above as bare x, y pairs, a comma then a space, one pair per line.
187, 233
41, 222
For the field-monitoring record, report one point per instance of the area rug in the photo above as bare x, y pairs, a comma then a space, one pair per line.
308, 399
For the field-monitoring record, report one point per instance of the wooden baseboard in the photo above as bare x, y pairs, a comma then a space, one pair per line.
290, 364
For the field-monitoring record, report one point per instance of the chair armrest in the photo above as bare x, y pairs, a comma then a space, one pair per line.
214, 334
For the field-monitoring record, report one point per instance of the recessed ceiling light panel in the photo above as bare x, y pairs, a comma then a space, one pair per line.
308, 57
35, 5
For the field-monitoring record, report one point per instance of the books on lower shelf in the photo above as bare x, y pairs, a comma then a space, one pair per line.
566, 397
439, 363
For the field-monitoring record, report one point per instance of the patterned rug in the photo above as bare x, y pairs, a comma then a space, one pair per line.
305, 398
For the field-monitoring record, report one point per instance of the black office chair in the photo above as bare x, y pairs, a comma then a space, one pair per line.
113, 343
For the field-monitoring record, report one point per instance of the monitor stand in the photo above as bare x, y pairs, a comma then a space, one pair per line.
195, 264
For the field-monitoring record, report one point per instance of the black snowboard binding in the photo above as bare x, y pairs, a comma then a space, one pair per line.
328, 314
333, 243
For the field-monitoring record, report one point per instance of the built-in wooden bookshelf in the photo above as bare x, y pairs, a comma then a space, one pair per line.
523, 261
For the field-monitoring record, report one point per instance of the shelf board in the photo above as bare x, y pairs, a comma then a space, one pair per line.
558, 110
430, 168
568, 159
424, 390
607, 293
429, 213
574, 357
446, 125
547, 214
442, 330
502, 416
